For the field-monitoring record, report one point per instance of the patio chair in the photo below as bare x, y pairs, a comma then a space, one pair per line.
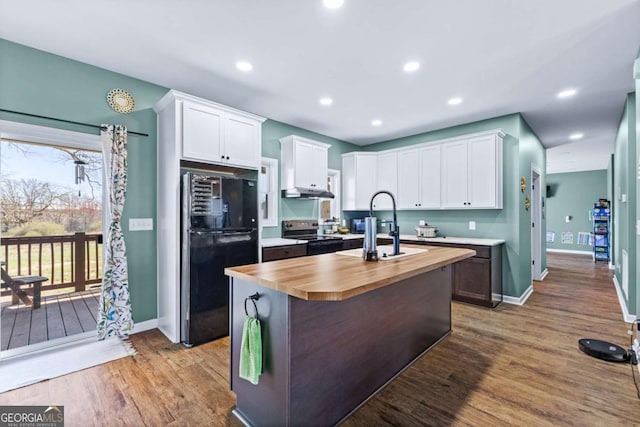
17, 293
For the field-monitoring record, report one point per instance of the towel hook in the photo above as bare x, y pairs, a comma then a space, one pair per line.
253, 299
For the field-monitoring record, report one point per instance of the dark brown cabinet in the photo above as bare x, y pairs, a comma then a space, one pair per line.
352, 244
476, 280
282, 252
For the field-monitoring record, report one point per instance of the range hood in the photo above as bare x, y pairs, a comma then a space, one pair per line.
306, 193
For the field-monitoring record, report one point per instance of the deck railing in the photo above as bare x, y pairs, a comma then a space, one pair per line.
73, 260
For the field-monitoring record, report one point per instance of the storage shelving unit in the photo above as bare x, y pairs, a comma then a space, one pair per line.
601, 226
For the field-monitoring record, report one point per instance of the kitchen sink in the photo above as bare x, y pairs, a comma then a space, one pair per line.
384, 252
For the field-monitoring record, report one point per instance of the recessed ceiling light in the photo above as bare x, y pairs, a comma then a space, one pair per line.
333, 4
326, 101
412, 66
575, 136
376, 122
567, 93
244, 66
454, 101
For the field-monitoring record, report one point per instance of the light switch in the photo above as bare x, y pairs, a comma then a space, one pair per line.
140, 224
472, 225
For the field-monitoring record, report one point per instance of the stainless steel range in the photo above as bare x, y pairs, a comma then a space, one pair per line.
307, 229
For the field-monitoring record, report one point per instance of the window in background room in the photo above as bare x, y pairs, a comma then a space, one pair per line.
268, 192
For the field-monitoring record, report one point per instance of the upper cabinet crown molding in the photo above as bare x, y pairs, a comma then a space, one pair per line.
176, 96
292, 138
205, 131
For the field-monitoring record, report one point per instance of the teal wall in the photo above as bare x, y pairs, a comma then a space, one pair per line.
272, 131
37, 82
531, 154
574, 195
625, 158
521, 148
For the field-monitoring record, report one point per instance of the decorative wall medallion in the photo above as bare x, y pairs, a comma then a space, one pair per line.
523, 183
121, 101
527, 203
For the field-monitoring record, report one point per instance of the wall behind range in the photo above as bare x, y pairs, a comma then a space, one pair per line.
272, 131
37, 82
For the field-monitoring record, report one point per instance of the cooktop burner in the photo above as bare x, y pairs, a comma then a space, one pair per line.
304, 229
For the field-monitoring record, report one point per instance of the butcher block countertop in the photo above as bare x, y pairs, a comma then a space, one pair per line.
334, 277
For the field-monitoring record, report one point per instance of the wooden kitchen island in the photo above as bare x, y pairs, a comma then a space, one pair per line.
336, 329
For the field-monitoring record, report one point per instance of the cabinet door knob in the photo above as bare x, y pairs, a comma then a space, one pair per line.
222, 157
227, 157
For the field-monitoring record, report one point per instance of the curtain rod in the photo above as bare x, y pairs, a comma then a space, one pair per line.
65, 121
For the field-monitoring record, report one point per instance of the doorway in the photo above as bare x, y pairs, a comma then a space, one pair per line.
51, 229
536, 224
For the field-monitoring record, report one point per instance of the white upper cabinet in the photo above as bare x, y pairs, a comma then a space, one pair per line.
241, 135
409, 179
454, 175
359, 180
419, 178
304, 163
213, 133
458, 173
430, 168
201, 133
472, 172
387, 179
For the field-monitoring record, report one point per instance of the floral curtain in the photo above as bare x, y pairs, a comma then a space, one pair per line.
115, 303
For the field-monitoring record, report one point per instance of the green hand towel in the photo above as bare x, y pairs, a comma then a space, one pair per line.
251, 350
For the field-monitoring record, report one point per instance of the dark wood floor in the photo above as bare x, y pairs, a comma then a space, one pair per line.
59, 316
510, 366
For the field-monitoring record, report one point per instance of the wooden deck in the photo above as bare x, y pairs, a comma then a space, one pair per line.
59, 316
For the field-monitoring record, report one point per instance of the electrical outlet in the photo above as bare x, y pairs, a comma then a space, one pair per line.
140, 224
472, 225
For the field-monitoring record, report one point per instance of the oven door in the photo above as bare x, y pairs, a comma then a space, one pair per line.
317, 247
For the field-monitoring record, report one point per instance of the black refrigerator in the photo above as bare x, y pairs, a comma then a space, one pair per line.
219, 229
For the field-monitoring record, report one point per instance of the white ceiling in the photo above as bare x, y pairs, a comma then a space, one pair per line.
500, 56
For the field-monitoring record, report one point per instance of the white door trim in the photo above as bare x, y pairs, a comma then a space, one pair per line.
536, 219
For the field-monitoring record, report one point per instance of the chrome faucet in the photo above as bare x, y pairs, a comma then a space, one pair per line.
395, 231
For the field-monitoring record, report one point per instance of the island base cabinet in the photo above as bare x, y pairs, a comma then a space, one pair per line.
323, 359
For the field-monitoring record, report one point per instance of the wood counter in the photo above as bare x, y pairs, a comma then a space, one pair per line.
336, 330
333, 277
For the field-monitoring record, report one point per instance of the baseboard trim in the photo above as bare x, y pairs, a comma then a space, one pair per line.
568, 251
628, 317
144, 326
544, 274
518, 300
